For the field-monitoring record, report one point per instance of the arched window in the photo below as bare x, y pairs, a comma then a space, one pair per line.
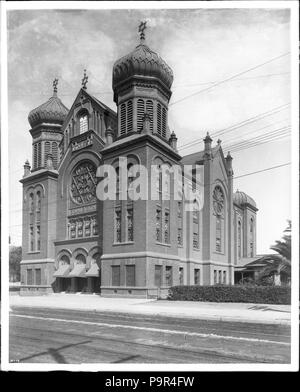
96, 259
64, 260
39, 155
38, 201
35, 155
239, 239
83, 183
83, 123
80, 259
31, 203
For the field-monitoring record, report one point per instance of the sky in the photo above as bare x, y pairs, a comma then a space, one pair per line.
202, 46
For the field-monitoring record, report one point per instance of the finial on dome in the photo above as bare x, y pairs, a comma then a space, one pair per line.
142, 28
84, 80
219, 141
55, 83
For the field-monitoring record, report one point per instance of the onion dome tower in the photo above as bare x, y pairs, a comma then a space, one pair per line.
241, 199
141, 83
46, 122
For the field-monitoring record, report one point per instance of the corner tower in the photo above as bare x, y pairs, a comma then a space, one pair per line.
39, 196
141, 83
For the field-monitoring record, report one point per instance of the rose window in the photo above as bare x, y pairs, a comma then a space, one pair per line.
83, 184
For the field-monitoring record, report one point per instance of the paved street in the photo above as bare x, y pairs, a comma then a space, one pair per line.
74, 336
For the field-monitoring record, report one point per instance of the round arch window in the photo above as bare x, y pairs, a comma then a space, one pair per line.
83, 183
80, 259
64, 260
218, 200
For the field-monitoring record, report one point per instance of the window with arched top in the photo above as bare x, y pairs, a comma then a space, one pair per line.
83, 123
31, 203
159, 127
38, 201
83, 183
64, 260
80, 259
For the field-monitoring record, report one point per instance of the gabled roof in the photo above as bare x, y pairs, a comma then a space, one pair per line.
92, 98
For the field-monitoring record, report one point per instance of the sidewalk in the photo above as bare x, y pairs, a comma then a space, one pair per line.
242, 312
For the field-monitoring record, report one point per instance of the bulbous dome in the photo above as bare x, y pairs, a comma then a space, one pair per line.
241, 198
53, 112
142, 61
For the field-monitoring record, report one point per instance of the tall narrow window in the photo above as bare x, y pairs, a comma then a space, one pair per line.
159, 128
179, 228
218, 234
80, 228
140, 114
55, 154
117, 183
123, 119
181, 280
239, 239
35, 155
129, 127
38, 237
47, 152
169, 277
158, 225
31, 239
215, 277
38, 276
196, 276
31, 203
118, 237
220, 277
195, 225
83, 123
115, 275
164, 122
29, 276
149, 109
224, 277
158, 276
130, 275
39, 155
251, 238
167, 227
130, 224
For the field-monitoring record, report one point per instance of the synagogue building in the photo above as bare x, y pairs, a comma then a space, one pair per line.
75, 242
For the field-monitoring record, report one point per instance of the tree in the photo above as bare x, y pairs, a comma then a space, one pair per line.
15, 256
279, 266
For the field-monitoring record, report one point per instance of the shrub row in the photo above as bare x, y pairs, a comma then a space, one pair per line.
255, 294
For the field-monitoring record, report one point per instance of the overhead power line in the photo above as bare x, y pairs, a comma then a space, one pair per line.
229, 78
243, 123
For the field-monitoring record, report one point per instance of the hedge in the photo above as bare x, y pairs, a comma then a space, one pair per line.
255, 294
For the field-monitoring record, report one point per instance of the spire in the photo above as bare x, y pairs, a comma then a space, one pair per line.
142, 28
55, 83
84, 80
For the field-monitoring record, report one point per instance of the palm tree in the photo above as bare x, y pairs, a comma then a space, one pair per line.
279, 265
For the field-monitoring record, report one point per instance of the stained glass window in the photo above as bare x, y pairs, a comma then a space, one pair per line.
83, 184
130, 224
218, 200
118, 237
83, 121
